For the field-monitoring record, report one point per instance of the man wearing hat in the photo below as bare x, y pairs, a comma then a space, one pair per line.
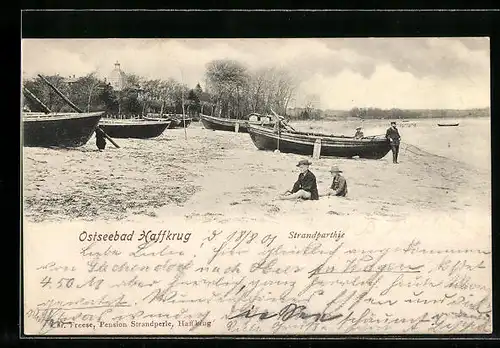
305, 187
394, 138
339, 184
359, 134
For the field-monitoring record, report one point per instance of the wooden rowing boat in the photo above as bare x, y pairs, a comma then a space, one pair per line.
230, 125
448, 124
180, 121
176, 121
302, 143
130, 128
68, 129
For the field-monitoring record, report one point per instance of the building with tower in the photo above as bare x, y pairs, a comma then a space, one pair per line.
117, 78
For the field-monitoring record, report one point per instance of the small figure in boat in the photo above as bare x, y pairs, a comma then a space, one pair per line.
394, 138
359, 134
305, 187
100, 139
339, 184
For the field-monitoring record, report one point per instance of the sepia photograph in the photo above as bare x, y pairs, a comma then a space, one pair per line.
306, 186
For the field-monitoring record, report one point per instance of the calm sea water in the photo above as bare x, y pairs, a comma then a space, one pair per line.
469, 142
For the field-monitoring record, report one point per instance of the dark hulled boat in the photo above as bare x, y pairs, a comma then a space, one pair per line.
183, 122
228, 124
139, 129
448, 124
176, 121
331, 145
59, 129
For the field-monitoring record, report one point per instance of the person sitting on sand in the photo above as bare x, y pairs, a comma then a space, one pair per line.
339, 184
100, 140
305, 187
359, 134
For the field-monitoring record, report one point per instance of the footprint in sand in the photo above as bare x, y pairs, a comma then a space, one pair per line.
273, 209
331, 212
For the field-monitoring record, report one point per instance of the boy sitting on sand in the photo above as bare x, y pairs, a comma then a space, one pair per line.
305, 187
339, 184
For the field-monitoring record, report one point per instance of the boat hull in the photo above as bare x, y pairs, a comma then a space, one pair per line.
174, 122
183, 124
59, 130
331, 146
448, 124
228, 125
137, 130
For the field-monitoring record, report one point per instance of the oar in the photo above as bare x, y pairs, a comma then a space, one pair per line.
282, 120
44, 107
69, 102
76, 108
278, 123
108, 137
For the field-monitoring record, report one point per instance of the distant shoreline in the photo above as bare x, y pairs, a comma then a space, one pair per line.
350, 118
386, 114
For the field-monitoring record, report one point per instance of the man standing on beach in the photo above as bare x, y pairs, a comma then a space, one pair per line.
100, 140
339, 184
305, 187
394, 138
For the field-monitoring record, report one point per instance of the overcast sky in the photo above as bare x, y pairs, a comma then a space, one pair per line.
386, 73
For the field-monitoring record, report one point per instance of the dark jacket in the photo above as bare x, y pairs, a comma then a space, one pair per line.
393, 136
339, 184
307, 182
100, 140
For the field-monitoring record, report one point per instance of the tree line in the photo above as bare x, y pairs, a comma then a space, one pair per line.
236, 91
376, 113
91, 93
232, 91
394, 113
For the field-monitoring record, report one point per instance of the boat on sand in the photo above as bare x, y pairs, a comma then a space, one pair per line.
302, 143
68, 129
230, 125
133, 128
176, 121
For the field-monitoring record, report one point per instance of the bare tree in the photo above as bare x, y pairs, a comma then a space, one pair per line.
227, 80
271, 88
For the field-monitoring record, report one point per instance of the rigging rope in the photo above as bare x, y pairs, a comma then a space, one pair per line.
422, 153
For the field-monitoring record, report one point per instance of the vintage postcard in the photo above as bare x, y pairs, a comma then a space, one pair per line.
256, 186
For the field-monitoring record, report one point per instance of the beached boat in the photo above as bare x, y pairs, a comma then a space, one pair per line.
448, 124
229, 124
59, 129
302, 143
180, 123
129, 128
176, 121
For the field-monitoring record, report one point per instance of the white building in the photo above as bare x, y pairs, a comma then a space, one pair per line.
117, 78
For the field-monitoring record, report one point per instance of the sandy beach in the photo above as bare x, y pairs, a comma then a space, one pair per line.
220, 177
